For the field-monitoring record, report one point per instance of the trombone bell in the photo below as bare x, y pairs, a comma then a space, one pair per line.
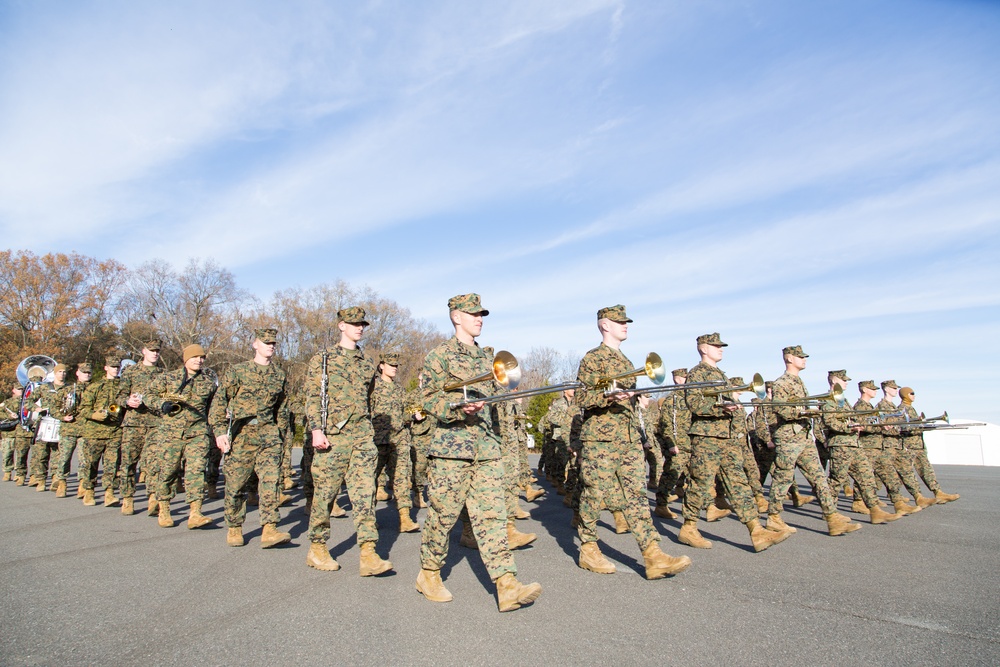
653, 369
505, 371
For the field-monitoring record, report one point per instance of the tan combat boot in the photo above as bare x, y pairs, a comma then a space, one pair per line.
468, 538
164, 518
406, 524
19, 481
848, 490
319, 558
196, 519
429, 585
371, 563
902, 508
88, 497
659, 564
32, 481
858, 507
838, 524
381, 495
271, 536
61, 489
6, 477
153, 508
941, 497
531, 494
79, 490
777, 524
142, 476
512, 594
592, 559
762, 538
713, 513
288, 484
516, 539
420, 502
234, 536
924, 502
520, 514
621, 525
41, 485
128, 507
664, 512
336, 511
878, 515
762, 504
109, 498
690, 536
801, 500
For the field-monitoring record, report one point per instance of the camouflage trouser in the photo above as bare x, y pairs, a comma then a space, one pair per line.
254, 449
902, 461
477, 486
765, 462
7, 447
524, 469
420, 464
511, 476
67, 445
286, 455
44, 457
573, 485
330, 468
402, 477
923, 467
385, 463
133, 444
150, 461
213, 466
824, 455
545, 463
193, 452
21, 448
614, 476
559, 461
711, 458
800, 452
751, 469
881, 461
98, 448
305, 467
852, 461
675, 470
655, 461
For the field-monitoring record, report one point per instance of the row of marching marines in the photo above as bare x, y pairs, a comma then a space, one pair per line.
457, 445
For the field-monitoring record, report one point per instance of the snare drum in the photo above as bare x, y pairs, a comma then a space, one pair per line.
48, 429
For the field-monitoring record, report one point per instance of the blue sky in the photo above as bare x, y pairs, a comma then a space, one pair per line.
823, 173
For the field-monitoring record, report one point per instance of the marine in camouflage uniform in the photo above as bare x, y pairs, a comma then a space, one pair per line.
716, 451
102, 430
612, 466
67, 409
249, 415
741, 434
45, 455
913, 441
512, 436
10, 409
648, 411
557, 425
796, 449
184, 435
421, 428
138, 423
465, 461
870, 438
392, 438
344, 446
672, 433
892, 443
846, 456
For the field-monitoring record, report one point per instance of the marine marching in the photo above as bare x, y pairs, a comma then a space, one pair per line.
459, 445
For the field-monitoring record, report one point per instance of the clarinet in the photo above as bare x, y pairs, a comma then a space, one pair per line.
324, 395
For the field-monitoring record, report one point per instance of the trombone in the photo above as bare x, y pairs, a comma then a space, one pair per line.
537, 391
653, 369
835, 395
671, 387
505, 371
757, 386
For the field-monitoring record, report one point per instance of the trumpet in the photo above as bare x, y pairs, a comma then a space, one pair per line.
114, 410
653, 369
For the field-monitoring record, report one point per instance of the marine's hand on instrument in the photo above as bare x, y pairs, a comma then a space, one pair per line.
319, 440
99, 415
473, 408
134, 401
620, 396
222, 442
68, 418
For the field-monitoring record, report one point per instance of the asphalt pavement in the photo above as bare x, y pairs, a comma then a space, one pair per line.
88, 586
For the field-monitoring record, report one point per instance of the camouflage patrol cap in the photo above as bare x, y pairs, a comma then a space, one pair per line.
193, 350
711, 339
867, 384
795, 351
59, 367
736, 381
85, 367
266, 335
391, 358
838, 374
112, 360
352, 315
890, 383
614, 313
467, 303
680, 372
153, 345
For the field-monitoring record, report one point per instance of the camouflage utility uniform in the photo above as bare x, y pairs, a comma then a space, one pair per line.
136, 427
102, 431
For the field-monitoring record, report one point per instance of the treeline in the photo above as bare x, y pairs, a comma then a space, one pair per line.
75, 308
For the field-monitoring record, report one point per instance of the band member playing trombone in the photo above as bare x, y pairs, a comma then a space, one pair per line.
137, 423
870, 437
102, 430
716, 451
465, 465
612, 463
249, 414
846, 456
892, 443
338, 389
796, 449
913, 441
672, 434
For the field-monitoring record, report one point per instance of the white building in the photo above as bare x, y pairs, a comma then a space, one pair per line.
974, 446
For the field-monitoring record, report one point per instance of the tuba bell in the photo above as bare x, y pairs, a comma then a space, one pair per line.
34, 370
